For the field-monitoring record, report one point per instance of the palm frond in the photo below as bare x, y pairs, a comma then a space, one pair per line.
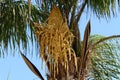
85, 52
32, 67
105, 58
15, 26
103, 8
13, 22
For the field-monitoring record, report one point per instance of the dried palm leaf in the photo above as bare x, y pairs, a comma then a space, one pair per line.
32, 67
85, 51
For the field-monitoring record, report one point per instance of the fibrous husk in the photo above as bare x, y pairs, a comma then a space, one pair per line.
55, 41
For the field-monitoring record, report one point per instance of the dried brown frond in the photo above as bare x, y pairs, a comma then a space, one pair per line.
55, 41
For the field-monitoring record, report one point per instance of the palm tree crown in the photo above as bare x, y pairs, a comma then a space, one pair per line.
18, 16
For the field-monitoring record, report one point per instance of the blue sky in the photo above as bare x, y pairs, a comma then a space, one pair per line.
15, 68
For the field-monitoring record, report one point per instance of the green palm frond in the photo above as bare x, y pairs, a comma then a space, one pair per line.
15, 26
13, 22
103, 8
105, 59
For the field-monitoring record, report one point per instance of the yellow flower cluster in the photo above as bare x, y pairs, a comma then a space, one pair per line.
55, 40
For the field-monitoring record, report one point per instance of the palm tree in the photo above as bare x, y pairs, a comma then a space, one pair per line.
16, 16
